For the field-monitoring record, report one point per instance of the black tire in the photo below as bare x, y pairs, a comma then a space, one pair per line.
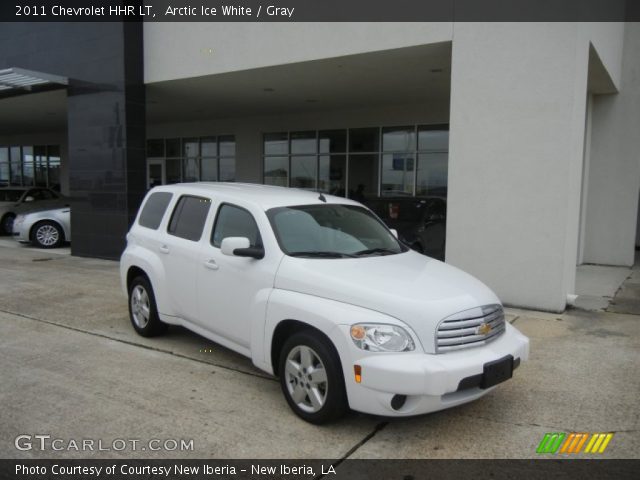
334, 403
47, 234
6, 225
140, 287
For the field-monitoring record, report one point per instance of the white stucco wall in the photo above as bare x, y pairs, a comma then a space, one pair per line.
614, 165
518, 100
182, 50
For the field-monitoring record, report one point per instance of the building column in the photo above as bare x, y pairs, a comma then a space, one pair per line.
518, 103
106, 157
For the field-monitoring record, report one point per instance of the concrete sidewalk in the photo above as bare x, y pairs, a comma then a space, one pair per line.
72, 367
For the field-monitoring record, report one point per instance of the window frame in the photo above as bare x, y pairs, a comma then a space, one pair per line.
180, 204
215, 224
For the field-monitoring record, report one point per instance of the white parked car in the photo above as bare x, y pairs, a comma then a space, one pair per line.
316, 290
44, 229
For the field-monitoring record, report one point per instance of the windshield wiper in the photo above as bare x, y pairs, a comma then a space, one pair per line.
322, 254
382, 251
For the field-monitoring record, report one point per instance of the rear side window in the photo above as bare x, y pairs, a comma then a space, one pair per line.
154, 209
187, 220
234, 221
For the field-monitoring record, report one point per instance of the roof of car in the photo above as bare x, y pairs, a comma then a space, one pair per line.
264, 196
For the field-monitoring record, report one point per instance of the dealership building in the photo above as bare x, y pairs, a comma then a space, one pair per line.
530, 130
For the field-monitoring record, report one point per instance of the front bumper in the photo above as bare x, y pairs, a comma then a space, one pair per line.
20, 234
429, 382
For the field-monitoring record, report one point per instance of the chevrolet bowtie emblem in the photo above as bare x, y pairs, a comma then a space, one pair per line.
483, 329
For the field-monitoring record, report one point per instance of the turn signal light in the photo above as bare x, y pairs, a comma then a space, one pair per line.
357, 371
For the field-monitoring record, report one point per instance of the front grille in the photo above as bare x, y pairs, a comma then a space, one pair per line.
464, 329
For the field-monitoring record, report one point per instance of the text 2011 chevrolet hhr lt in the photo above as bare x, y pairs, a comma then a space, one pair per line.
318, 291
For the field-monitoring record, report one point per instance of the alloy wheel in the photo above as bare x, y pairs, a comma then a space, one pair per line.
306, 379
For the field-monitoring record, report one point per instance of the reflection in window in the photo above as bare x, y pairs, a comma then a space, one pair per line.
360, 163
4, 166
304, 170
363, 177
207, 159
432, 174
276, 171
332, 174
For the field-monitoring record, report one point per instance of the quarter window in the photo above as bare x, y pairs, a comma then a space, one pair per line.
154, 209
189, 215
234, 221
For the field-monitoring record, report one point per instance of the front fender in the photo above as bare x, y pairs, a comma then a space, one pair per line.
323, 314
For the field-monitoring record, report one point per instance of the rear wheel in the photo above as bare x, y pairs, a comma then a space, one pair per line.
47, 234
143, 312
311, 378
6, 226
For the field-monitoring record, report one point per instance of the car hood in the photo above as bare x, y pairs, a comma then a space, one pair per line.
411, 287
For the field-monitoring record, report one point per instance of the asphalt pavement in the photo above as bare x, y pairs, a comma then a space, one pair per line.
72, 367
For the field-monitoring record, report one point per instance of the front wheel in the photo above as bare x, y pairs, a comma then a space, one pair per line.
143, 312
47, 234
311, 378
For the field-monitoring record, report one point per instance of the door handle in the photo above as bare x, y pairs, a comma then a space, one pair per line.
211, 264
164, 249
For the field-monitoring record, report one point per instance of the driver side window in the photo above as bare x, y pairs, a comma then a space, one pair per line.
235, 221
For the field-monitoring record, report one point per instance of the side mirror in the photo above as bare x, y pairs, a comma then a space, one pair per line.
240, 247
29, 199
394, 231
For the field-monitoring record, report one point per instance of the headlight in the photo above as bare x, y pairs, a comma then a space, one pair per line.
381, 338
18, 221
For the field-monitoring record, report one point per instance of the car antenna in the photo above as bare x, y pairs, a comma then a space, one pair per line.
322, 197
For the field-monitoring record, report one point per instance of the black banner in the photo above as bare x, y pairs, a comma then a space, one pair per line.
318, 10
255, 469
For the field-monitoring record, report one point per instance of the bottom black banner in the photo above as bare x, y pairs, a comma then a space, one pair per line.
316, 469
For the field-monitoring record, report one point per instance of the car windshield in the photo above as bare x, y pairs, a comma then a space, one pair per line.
331, 231
9, 195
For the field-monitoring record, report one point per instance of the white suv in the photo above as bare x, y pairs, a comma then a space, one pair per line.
316, 290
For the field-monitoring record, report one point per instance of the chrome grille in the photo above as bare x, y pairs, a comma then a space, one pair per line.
465, 329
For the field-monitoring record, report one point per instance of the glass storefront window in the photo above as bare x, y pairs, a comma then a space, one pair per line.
332, 141
228, 169
363, 177
303, 143
173, 170
361, 163
227, 146
276, 144
40, 165
432, 174
209, 171
28, 173
155, 148
399, 139
276, 171
363, 140
191, 147
304, 170
190, 169
172, 147
4, 166
332, 174
53, 157
15, 162
397, 174
208, 147
433, 139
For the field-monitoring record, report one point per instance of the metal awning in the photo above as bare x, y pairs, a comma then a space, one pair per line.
21, 79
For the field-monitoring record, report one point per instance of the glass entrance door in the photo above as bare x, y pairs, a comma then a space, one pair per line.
156, 173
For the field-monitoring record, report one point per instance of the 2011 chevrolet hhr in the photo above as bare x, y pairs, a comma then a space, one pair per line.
316, 290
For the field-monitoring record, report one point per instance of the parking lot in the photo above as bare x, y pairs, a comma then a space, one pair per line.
73, 368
